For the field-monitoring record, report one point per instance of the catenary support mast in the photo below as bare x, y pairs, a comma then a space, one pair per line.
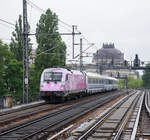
81, 57
73, 28
25, 54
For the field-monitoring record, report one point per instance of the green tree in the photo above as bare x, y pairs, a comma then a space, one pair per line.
10, 73
5, 56
51, 50
15, 72
52, 41
16, 45
121, 83
146, 78
13, 79
132, 83
34, 83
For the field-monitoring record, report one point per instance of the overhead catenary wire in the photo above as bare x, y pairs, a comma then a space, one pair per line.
64, 23
2, 20
35, 6
68, 29
6, 25
47, 50
84, 37
43, 11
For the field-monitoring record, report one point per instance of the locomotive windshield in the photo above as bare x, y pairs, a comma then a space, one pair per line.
52, 76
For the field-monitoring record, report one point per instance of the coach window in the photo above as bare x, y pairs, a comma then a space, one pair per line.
92, 80
96, 81
110, 81
89, 80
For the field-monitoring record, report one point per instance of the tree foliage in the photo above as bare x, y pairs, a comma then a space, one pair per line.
121, 83
146, 78
10, 73
5, 56
132, 83
51, 51
51, 41
16, 45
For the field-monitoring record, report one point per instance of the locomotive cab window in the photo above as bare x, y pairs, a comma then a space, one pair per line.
52, 76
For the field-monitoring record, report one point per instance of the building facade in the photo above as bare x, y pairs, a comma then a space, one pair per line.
108, 55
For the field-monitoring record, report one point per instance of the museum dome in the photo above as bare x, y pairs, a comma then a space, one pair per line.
108, 51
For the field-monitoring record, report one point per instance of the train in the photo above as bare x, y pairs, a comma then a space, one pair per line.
60, 84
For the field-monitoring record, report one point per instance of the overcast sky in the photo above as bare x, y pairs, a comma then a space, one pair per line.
126, 23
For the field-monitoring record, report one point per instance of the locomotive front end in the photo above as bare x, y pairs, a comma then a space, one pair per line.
52, 85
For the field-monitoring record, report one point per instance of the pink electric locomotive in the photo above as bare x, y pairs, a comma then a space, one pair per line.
58, 83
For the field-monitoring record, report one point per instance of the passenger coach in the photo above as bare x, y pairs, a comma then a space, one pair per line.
100, 83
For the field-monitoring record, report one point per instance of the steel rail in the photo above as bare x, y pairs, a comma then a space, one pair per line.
137, 119
148, 99
23, 107
60, 133
146, 102
104, 117
54, 114
17, 115
65, 119
34, 121
125, 119
26, 114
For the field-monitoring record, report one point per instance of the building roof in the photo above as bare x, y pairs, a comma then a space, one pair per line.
108, 51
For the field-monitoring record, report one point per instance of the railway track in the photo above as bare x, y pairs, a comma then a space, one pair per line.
8, 118
117, 123
144, 128
22, 113
20, 108
54, 120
